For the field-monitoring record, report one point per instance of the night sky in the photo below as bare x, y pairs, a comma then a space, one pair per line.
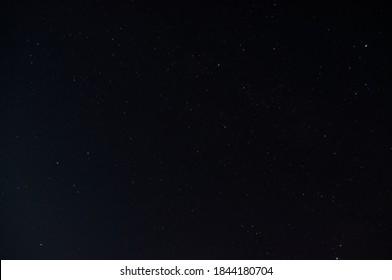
195, 130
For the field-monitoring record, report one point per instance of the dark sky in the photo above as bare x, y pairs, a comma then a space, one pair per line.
195, 130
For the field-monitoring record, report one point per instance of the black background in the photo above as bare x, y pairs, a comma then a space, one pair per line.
195, 130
